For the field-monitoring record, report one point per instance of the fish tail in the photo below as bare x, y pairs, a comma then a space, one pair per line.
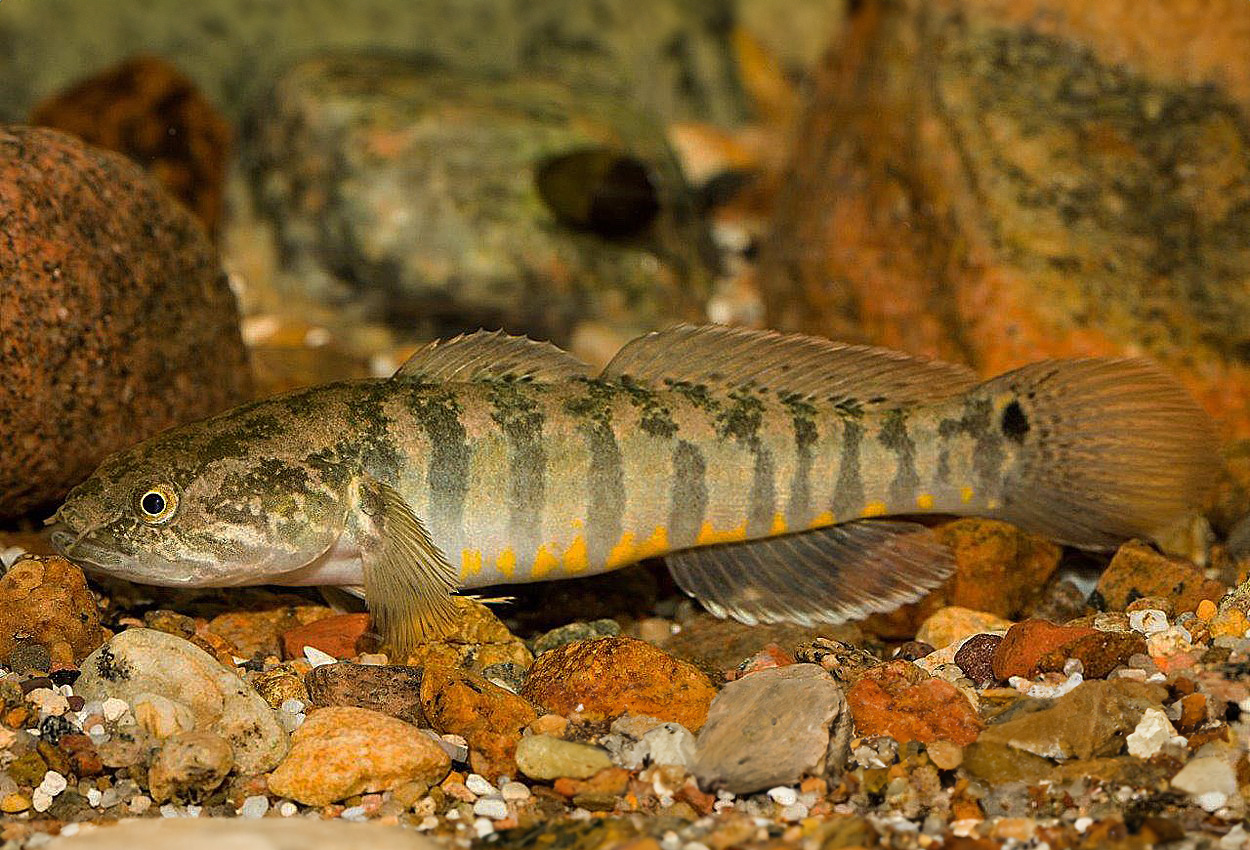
1105, 450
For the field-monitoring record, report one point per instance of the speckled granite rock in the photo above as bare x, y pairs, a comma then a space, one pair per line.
150, 111
421, 195
112, 297
673, 57
997, 181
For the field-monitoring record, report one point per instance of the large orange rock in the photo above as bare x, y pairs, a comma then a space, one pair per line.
1139, 571
115, 317
998, 181
612, 676
487, 716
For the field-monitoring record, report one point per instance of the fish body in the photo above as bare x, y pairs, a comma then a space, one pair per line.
758, 464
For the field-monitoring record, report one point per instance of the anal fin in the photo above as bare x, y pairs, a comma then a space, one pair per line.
829, 575
408, 580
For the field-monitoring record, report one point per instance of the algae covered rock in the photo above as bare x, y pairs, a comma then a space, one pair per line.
45, 600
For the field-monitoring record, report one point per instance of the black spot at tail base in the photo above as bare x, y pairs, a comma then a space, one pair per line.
1015, 424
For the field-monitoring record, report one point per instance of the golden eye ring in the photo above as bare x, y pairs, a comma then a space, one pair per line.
157, 504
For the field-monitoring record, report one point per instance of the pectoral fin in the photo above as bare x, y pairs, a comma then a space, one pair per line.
408, 581
831, 575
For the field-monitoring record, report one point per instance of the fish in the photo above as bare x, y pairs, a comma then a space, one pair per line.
781, 477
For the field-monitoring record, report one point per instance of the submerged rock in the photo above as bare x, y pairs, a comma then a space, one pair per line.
142, 666
1137, 571
46, 600
392, 690
903, 701
420, 193
612, 676
150, 111
342, 751
773, 727
112, 296
190, 765
544, 757
489, 717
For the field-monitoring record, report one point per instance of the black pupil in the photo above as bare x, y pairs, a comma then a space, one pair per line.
153, 503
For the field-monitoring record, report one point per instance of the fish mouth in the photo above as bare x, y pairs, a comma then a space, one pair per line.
83, 547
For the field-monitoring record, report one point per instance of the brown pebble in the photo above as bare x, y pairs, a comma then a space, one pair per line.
913, 650
335, 636
1099, 653
1025, 643
976, 658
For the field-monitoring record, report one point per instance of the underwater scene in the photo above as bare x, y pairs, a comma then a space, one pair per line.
605, 425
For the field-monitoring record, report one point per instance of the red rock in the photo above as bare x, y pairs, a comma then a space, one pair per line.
335, 635
610, 780
46, 600
929, 205
1099, 653
117, 320
612, 676
489, 717
1138, 570
901, 700
150, 111
1026, 643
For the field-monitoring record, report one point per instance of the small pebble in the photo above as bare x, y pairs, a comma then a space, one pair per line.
287, 809
354, 813
317, 657
482, 827
491, 807
479, 785
254, 807
783, 795
1148, 621
515, 791
113, 709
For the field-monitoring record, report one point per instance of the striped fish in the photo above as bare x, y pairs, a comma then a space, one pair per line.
761, 466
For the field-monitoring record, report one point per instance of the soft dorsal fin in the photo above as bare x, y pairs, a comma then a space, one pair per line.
487, 355
805, 366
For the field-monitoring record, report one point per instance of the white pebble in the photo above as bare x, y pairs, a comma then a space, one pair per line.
49, 702
483, 827
287, 809
93, 797
317, 658
292, 706
1152, 732
354, 813
40, 800
515, 791
793, 813
479, 784
113, 709
70, 829
1148, 621
1211, 801
254, 807
140, 804
10, 554
783, 796
491, 807
427, 823
53, 783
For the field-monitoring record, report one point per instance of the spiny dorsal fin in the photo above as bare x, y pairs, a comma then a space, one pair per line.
830, 575
805, 366
487, 355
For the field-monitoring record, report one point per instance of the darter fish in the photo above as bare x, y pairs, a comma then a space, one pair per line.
760, 466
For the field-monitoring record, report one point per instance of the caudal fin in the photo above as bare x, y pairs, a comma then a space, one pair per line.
1107, 450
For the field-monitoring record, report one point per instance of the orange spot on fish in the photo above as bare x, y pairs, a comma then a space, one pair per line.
545, 562
506, 562
575, 556
821, 520
710, 534
656, 544
874, 509
623, 552
779, 524
470, 563
965, 495
925, 501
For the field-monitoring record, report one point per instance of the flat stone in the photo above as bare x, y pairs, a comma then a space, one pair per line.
207, 833
952, 624
901, 700
1137, 571
1091, 720
771, 728
1025, 644
391, 689
547, 758
141, 662
335, 635
342, 751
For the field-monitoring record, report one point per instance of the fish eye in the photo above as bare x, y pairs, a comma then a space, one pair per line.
157, 504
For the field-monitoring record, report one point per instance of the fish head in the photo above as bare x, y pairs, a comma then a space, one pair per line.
169, 512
